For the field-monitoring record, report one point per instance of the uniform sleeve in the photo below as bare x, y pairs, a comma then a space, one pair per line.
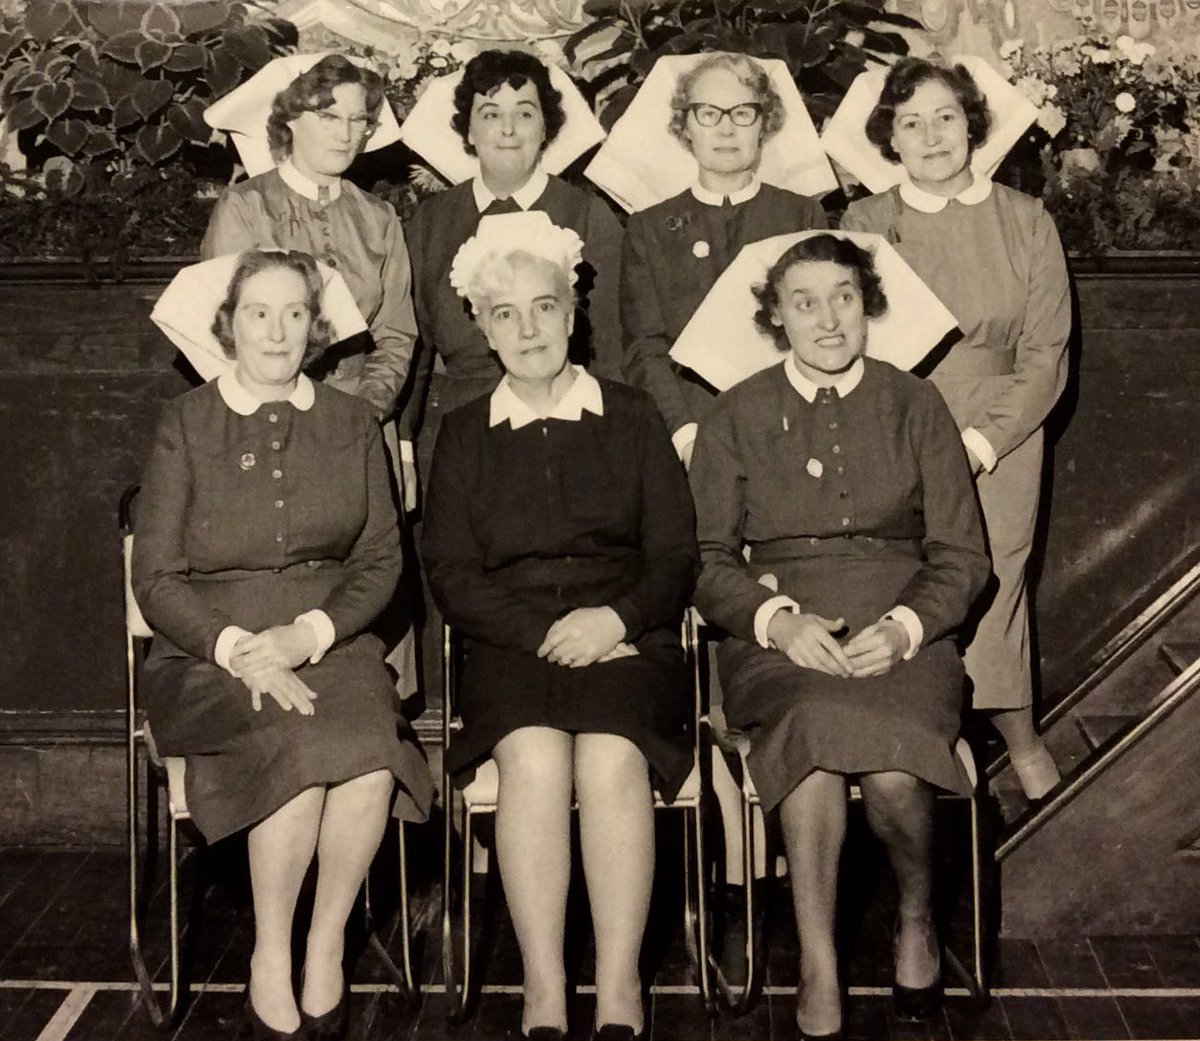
232, 228
726, 595
855, 219
1040, 369
816, 218
670, 559
647, 363
424, 349
468, 597
602, 250
160, 563
394, 327
956, 566
372, 570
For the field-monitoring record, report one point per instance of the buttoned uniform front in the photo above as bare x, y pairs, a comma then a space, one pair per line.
885, 524
993, 257
673, 254
350, 230
251, 516
528, 518
453, 362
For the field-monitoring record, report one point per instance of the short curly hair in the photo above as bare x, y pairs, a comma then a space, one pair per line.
312, 91
488, 71
904, 78
816, 248
255, 261
748, 72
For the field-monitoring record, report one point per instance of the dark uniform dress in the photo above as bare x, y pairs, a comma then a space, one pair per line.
994, 259
523, 526
856, 505
250, 521
453, 363
674, 252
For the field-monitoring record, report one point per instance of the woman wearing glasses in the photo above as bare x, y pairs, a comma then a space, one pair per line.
724, 109
318, 125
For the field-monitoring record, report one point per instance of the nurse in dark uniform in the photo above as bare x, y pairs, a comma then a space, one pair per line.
846, 482
724, 110
507, 112
559, 539
993, 257
266, 545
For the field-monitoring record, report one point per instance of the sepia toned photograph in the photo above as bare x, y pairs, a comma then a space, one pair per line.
631, 520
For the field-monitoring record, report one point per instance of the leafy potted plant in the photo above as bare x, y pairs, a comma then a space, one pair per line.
106, 102
825, 43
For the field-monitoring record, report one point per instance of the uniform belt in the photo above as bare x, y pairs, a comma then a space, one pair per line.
779, 550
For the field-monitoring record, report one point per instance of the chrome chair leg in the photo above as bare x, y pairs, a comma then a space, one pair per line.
456, 965
702, 957
176, 974
403, 973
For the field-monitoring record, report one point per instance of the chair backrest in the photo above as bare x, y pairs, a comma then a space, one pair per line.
135, 623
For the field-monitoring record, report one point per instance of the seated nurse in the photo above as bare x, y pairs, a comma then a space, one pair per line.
746, 153
559, 539
266, 545
841, 548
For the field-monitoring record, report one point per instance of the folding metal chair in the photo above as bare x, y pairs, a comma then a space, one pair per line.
739, 999
479, 797
168, 772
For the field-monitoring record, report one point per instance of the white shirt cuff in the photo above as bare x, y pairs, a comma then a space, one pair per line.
683, 437
322, 626
226, 641
763, 616
406, 452
981, 447
907, 617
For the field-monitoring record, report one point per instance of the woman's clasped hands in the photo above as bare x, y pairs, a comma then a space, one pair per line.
585, 636
809, 641
266, 662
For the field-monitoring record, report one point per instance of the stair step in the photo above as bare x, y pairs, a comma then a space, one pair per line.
1097, 730
1179, 654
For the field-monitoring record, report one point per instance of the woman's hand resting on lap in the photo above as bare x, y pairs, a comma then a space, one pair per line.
876, 649
265, 662
582, 637
808, 640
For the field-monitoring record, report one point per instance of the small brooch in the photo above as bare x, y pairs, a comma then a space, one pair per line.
677, 223
814, 468
700, 249
247, 461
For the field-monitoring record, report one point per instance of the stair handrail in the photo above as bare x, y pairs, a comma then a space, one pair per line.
1172, 696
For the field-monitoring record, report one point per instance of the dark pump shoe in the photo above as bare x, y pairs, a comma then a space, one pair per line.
329, 1026
254, 1029
545, 1034
916, 1004
618, 1032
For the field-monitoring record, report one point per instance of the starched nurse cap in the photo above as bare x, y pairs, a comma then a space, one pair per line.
429, 133
187, 307
723, 344
845, 136
642, 163
244, 110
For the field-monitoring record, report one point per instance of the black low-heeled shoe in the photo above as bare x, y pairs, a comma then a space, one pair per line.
545, 1034
916, 1004
329, 1026
618, 1032
254, 1029
837, 1035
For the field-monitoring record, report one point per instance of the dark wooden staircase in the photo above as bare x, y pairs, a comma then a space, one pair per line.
1116, 847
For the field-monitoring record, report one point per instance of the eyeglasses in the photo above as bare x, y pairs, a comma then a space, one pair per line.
359, 125
744, 115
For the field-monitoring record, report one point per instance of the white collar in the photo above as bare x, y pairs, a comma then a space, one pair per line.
919, 199
716, 198
525, 196
583, 395
808, 390
306, 186
241, 401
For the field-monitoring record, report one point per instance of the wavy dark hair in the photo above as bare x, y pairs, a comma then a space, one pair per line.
255, 261
488, 71
312, 91
904, 78
748, 72
826, 247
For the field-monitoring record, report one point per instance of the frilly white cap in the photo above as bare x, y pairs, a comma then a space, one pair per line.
642, 163
243, 111
845, 136
504, 233
428, 131
187, 307
724, 345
